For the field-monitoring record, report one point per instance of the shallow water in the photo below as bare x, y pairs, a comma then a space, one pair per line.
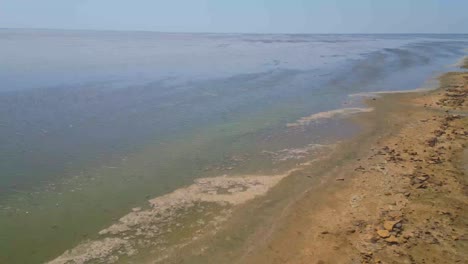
95, 123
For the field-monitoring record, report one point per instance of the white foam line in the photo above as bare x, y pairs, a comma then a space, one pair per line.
342, 112
379, 93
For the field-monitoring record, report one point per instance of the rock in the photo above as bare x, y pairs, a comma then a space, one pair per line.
395, 214
371, 238
421, 186
439, 133
422, 179
340, 179
383, 233
388, 225
360, 168
408, 235
432, 142
392, 239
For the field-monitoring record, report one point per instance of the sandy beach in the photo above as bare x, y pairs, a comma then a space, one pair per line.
401, 198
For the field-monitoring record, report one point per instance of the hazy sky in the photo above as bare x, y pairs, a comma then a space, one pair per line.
288, 16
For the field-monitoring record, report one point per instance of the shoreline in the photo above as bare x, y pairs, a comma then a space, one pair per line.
288, 222
380, 197
403, 200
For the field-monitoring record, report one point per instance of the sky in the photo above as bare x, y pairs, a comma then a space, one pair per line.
241, 16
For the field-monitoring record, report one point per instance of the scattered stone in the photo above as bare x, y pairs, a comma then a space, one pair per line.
360, 168
392, 240
422, 178
395, 214
408, 235
432, 142
383, 233
421, 186
439, 133
388, 225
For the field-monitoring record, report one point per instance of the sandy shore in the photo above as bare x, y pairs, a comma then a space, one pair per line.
400, 198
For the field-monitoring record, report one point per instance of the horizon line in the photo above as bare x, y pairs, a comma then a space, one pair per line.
214, 32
